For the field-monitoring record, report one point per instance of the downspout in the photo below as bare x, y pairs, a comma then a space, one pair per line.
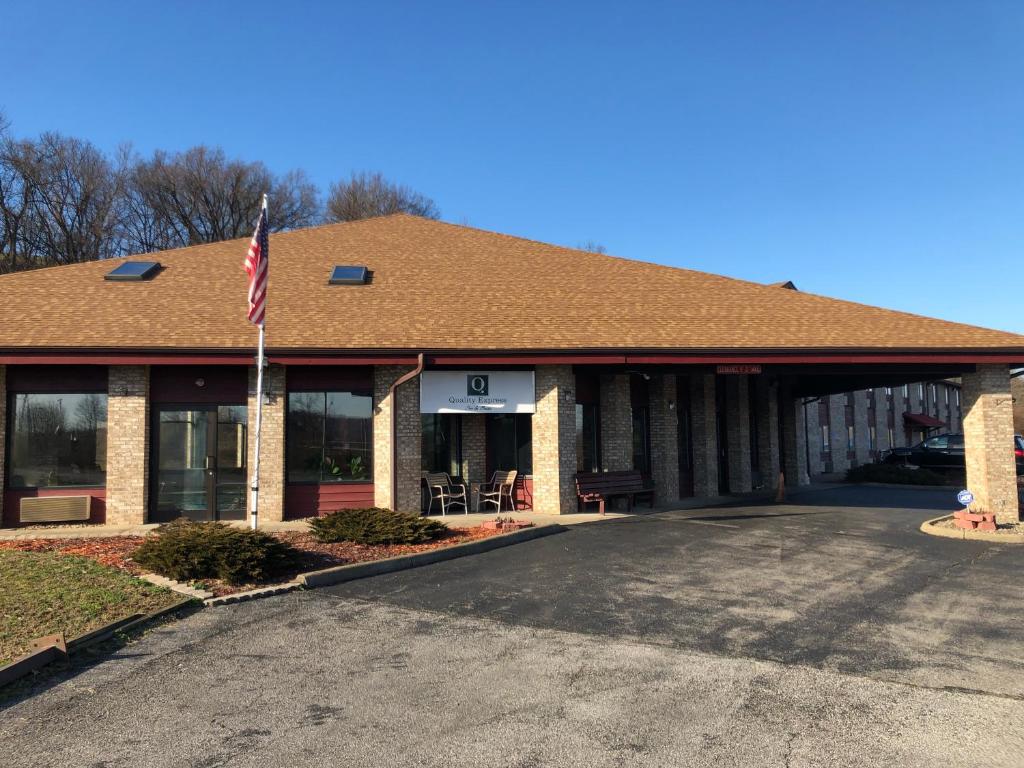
392, 396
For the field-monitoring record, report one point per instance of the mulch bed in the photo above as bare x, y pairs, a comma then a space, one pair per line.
116, 552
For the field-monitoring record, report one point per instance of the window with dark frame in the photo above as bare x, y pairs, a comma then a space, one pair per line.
329, 437
57, 440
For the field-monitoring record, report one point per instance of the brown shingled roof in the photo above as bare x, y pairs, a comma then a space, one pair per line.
438, 286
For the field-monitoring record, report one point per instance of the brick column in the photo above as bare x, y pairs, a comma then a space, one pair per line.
988, 441
768, 458
616, 423
901, 405
794, 443
882, 421
272, 458
664, 439
127, 444
408, 430
554, 440
737, 423
705, 435
837, 432
474, 447
3, 436
814, 466
861, 435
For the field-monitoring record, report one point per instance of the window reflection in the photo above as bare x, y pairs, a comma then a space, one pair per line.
58, 440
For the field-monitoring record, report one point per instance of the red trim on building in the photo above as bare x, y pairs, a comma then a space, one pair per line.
341, 360
13, 497
125, 359
317, 500
553, 357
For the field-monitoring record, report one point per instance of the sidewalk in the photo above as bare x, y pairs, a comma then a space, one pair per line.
456, 520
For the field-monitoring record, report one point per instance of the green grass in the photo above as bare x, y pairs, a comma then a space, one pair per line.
42, 593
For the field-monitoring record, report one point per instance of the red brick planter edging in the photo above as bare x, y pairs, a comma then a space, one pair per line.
972, 522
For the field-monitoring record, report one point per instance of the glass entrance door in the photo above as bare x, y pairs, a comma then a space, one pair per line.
200, 462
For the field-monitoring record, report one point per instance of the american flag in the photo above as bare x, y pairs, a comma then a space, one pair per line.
256, 266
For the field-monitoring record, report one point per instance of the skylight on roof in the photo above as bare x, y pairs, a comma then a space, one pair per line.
348, 276
134, 270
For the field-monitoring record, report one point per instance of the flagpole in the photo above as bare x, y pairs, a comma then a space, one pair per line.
255, 487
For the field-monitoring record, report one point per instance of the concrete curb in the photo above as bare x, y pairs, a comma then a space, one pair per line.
343, 573
254, 594
930, 527
176, 586
53, 648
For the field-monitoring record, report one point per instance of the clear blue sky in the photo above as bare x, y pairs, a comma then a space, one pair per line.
872, 151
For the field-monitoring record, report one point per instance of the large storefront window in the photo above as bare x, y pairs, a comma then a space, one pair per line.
329, 437
510, 442
441, 448
58, 440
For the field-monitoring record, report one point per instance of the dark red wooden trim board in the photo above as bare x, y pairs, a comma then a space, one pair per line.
127, 359
469, 358
313, 500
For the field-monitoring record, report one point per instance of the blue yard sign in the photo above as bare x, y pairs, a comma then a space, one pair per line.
965, 497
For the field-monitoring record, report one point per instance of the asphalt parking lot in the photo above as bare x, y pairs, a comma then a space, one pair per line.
826, 631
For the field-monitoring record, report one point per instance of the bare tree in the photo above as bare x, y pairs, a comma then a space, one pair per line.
15, 201
366, 195
199, 196
592, 246
59, 199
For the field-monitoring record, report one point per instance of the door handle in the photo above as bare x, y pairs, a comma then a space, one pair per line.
211, 462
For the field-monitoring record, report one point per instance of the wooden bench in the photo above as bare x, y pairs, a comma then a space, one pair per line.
604, 486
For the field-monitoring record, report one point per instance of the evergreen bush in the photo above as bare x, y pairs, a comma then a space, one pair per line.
375, 526
187, 551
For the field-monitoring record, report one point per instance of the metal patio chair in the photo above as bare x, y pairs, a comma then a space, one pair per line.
443, 490
500, 487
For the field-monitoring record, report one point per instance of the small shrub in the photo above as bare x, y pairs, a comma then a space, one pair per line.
894, 473
375, 526
190, 551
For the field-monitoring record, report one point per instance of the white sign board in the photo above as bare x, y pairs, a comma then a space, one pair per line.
477, 392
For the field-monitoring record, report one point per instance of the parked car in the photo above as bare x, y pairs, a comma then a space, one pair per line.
943, 453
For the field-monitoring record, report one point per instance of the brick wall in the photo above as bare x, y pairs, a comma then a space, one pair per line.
861, 434
768, 459
881, 422
814, 447
1017, 390
272, 456
127, 444
554, 440
901, 405
988, 441
794, 445
474, 448
616, 423
705, 436
838, 433
737, 424
408, 432
664, 439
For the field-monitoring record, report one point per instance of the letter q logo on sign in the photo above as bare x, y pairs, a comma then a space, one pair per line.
477, 384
